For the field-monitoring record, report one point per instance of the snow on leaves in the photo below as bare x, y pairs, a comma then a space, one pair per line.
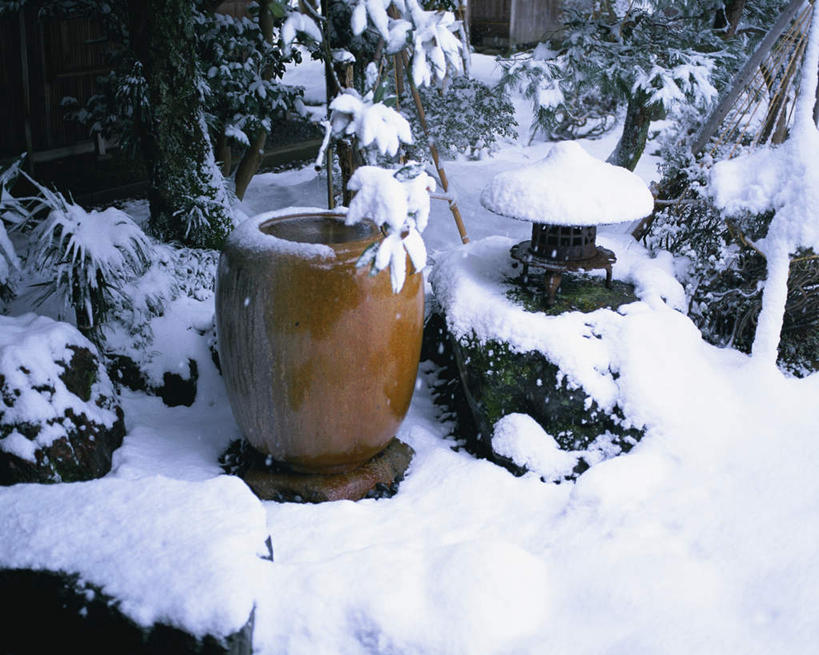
397, 201
298, 23
374, 124
91, 254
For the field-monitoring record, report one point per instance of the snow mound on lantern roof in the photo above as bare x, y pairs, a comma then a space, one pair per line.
248, 235
181, 553
569, 187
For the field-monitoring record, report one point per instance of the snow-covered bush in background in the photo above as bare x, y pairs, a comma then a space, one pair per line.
726, 264
243, 72
466, 118
648, 57
240, 73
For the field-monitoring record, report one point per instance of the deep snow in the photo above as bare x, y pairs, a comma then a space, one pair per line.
703, 539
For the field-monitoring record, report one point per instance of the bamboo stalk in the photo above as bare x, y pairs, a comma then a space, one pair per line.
453, 206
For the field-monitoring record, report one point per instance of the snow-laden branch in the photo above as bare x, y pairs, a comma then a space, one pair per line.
398, 202
374, 124
785, 180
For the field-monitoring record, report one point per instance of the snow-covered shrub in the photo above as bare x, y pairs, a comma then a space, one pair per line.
12, 213
157, 338
243, 72
360, 121
87, 257
648, 57
239, 82
467, 118
723, 274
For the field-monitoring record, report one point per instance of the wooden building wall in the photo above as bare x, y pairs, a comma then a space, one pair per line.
507, 23
42, 61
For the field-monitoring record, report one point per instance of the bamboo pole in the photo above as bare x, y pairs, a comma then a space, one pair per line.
744, 76
433, 149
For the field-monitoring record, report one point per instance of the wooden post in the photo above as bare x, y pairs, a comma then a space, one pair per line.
433, 149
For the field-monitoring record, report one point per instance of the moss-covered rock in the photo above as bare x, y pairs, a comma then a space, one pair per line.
481, 382
577, 293
501, 351
498, 381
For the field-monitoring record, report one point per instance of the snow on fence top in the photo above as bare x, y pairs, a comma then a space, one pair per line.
569, 187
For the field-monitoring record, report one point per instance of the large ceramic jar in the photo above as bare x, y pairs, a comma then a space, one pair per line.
319, 357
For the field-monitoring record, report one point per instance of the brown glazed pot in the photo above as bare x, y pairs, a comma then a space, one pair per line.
319, 357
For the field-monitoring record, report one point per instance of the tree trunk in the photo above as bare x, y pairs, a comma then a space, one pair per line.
188, 201
727, 17
223, 153
252, 159
635, 132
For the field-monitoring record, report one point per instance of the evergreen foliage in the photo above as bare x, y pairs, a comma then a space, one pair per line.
650, 57
242, 71
467, 118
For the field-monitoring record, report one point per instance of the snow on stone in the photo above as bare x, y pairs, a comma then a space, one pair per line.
569, 187
30, 348
249, 236
520, 438
182, 553
469, 284
784, 179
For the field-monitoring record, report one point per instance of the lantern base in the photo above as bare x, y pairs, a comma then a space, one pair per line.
553, 270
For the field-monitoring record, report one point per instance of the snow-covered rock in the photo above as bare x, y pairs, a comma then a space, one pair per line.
59, 416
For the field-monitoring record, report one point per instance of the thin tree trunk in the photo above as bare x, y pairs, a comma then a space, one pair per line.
188, 202
252, 159
630, 147
223, 153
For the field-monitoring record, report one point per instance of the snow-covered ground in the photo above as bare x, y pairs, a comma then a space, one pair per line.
703, 539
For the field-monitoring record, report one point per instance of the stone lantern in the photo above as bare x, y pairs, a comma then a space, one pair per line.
565, 196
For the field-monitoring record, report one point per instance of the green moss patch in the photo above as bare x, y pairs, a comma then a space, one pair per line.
577, 292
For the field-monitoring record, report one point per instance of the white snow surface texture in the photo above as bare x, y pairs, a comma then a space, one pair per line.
702, 539
181, 553
569, 187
